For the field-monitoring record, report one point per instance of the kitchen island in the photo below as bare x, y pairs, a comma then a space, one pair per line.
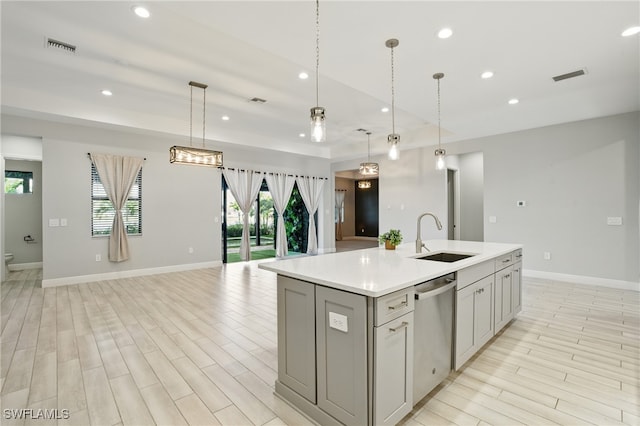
346, 323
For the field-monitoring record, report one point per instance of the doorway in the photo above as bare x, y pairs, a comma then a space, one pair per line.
452, 205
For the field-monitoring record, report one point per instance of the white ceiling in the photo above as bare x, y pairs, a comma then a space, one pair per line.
245, 49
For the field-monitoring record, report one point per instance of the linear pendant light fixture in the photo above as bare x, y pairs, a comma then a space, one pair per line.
368, 168
190, 154
439, 153
318, 125
393, 139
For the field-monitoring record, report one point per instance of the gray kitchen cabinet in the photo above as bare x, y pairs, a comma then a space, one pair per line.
297, 336
516, 283
474, 318
341, 336
503, 301
393, 370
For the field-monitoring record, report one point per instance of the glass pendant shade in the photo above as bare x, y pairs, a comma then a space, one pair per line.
318, 126
440, 163
364, 184
195, 156
393, 139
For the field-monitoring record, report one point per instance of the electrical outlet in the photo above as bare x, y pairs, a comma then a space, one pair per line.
98, 257
338, 321
546, 255
190, 250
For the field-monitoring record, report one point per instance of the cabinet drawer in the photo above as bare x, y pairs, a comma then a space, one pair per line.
393, 305
517, 255
474, 273
504, 261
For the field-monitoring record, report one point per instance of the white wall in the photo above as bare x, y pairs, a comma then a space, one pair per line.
471, 176
180, 203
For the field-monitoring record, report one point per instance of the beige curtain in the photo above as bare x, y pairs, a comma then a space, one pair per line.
280, 186
310, 190
117, 175
244, 185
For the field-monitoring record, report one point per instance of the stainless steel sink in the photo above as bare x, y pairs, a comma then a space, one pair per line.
445, 257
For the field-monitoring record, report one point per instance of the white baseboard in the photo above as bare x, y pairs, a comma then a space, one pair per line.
580, 279
56, 282
326, 250
23, 266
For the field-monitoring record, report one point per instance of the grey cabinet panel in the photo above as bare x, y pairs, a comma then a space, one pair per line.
503, 298
483, 315
474, 318
296, 336
393, 374
342, 355
516, 283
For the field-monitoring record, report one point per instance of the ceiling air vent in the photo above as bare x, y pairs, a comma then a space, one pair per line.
258, 100
568, 75
56, 44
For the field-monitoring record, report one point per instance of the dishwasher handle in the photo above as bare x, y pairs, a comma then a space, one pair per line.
422, 295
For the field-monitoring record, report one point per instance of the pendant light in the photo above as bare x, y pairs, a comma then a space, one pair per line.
190, 154
393, 139
439, 153
364, 184
368, 168
318, 126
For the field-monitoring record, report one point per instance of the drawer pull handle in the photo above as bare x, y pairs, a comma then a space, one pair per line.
403, 325
519, 255
398, 306
506, 261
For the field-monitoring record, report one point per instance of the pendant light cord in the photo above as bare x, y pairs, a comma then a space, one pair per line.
191, 117
204, 110
317, 52
439, 147
393, 95
368, 147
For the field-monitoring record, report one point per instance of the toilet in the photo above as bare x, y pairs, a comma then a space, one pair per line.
8, 257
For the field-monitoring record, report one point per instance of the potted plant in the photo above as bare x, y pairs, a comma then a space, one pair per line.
391, 239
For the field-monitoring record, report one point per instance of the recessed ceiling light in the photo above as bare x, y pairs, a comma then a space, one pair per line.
513, 101
385, 109
302, 135
141, 11
225, 117
631, 31
107, 92
303, 75
445, 33
486, 74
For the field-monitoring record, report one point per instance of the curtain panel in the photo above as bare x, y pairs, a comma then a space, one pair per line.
244, 185
280, 186
117, 174
339, 214
310, 190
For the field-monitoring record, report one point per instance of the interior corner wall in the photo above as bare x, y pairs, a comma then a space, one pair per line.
471, 177
572, 177
181, 205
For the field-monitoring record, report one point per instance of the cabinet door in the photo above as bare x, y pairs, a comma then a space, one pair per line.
341, 336
393, 374
464, 342
516, 285
296, 336
503, 301
483, 312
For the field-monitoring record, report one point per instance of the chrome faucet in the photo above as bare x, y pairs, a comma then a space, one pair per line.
419, 243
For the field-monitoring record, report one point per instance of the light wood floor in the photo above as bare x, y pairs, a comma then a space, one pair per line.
199, 348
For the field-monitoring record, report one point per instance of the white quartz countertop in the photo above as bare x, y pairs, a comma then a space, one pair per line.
376, 272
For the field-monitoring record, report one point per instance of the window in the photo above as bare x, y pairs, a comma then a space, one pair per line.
16, 182
102, 211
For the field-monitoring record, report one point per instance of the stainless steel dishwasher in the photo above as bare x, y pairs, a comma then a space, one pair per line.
433, 334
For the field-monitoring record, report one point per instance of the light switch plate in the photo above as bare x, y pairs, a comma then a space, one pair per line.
54, 222
338, 321
492, 219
